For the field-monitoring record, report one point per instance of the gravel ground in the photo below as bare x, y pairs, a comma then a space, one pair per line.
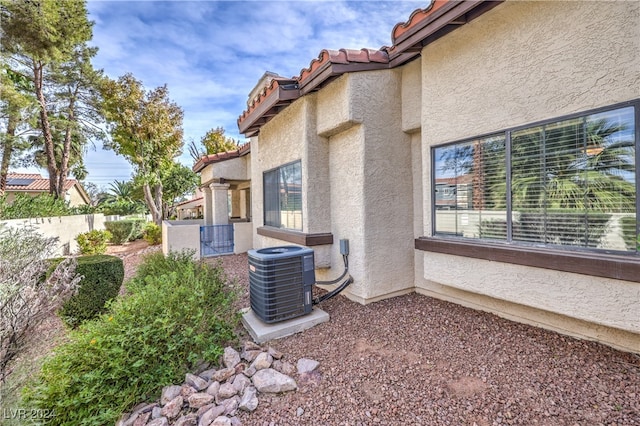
414, 360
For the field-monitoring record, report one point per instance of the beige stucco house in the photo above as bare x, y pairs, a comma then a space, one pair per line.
488, 158
33, 184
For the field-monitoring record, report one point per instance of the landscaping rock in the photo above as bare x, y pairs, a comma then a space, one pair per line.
272, 381
249, 401
262, 361
200, 399
169, 393
172, 408
306, 365
196, 382
214, 397
231, 357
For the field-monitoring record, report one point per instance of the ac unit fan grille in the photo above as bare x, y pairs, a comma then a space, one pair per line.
280, 287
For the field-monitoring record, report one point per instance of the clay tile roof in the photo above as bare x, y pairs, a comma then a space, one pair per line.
422, 27
416, 16
37, 184
221, 156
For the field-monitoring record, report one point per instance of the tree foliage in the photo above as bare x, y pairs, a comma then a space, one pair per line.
178, 181
145, 128
213, 142
45, 41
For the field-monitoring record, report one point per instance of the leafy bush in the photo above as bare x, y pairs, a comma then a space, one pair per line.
28, 295
93, 242
102, 278
152, 233
167, 325
24, 206
124, 230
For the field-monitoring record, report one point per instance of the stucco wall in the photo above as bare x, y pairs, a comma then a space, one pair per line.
65, 228
411, 97
520, 63
232, 169
181, 235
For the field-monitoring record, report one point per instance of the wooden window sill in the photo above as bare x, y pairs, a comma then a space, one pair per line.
604, 265
296, 237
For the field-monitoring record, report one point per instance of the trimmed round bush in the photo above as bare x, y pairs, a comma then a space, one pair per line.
101, 282
124, 230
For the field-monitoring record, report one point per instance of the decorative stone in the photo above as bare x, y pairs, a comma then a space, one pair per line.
284, 367
207, 418
169, 393
207, 374
155, 412
235, 421
230, 358
221, 421
306, 365
269, 380
204, 409
213, 388
173, 407
188, 420
223, 374
186, 391
249, 372
250, 355
249, 401
160, 421
274, 353
251, 346
262, 361
230, 405
299, 411
196, 382
142, 419
227, 390
240, 383
200, 399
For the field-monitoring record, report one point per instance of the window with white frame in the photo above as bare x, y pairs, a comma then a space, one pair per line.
569, 182
282, 189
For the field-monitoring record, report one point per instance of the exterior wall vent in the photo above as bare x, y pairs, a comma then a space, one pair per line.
280, 282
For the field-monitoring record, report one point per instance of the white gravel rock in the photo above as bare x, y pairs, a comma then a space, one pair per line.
272, 381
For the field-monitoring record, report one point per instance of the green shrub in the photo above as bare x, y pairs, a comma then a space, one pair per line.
124, 230
167, 325
42, 205
93, 242
152, 233
102, 278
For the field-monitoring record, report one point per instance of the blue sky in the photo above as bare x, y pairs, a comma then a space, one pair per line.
212, 53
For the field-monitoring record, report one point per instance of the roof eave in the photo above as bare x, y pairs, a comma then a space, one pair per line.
444, 20
270, 106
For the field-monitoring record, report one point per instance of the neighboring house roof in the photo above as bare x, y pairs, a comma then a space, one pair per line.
221, 156
423, 27
34, 182
194, 202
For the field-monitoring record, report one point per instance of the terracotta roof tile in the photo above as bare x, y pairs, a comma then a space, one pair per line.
39, 184
221, 156
407, 38
417, 16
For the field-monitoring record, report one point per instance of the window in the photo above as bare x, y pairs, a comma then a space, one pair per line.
283, 197
562, 183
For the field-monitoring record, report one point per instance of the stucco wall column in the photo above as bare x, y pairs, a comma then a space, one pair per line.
208, 210
219, 203
245, 207
235, 203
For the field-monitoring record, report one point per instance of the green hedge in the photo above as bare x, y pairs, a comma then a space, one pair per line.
125, 230
93, 242
101, 282
167, 324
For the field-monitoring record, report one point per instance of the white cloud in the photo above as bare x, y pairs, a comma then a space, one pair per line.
211, 53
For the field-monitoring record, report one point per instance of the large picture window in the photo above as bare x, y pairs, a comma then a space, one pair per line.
569, 182
283, 197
